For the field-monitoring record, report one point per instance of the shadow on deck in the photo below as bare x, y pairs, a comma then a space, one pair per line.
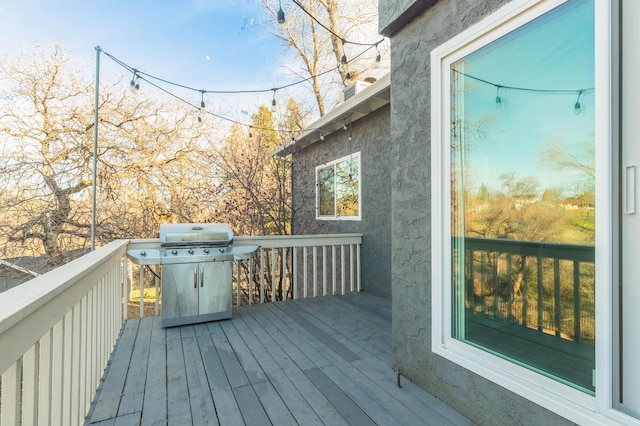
325, 360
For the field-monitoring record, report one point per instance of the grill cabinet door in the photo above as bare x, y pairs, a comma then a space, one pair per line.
215, 287
179, 290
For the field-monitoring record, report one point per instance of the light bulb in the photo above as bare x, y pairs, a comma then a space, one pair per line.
498, 102
202, 106
577, 109
281, 20
321, 136
273, 105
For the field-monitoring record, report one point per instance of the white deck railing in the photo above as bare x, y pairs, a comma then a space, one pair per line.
58, 330
298, 266
285, 267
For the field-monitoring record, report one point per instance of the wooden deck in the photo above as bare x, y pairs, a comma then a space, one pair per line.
325, 360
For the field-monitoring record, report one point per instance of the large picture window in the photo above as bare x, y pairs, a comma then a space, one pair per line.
338, 188
514, 234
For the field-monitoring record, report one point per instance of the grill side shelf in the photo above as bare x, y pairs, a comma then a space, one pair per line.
145, 256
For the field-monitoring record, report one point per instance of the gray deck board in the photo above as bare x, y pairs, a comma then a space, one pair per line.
155, 391
290, 363
178, 408
118, 366
133, 392
318, 361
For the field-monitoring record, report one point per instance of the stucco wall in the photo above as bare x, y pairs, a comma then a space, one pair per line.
371, 138
393, 15
477, 398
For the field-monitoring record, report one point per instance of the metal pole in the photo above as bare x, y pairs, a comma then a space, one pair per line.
95, 152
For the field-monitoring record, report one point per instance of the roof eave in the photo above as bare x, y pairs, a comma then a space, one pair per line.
360, 105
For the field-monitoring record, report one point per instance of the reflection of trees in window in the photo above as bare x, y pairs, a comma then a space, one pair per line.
347, 188
515, 212
338, 188
326, 183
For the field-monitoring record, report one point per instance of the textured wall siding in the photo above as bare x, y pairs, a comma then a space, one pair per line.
393, 15
474, 396
372, 139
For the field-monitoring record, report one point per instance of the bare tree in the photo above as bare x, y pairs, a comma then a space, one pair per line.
254, 189
46, 130
319, 45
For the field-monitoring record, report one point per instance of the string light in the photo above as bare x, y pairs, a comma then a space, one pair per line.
321, 136
498, 98
499, 103
577, 108
379, 56
344, 126
250, 134
139, 75
343, 60
281, 20
134, 86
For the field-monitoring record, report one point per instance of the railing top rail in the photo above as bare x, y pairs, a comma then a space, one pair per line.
300, 240
273, 241
577, 252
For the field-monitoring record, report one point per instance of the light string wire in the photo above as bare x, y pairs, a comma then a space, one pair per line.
525, 89
148, 78
344, 41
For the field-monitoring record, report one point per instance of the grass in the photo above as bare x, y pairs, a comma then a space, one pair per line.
149, 302
149, 295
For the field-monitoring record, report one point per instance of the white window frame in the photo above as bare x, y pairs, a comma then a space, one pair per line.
551, 394
333, 164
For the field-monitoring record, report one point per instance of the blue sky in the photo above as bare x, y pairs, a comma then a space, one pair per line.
206, 44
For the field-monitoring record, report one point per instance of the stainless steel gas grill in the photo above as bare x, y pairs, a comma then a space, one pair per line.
197, 267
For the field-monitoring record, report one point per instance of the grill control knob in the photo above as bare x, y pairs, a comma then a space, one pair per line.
174, 252
206, 251
143, 253
190, 251
221, 250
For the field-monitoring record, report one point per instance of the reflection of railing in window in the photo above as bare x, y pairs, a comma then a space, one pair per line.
545, 286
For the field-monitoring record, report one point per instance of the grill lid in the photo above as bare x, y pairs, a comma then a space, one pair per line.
195, 234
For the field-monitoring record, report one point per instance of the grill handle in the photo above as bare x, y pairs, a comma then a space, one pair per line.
201, 277
195, 277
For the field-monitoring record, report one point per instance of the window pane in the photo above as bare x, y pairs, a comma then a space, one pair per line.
347, 187
522, 152
326, 192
